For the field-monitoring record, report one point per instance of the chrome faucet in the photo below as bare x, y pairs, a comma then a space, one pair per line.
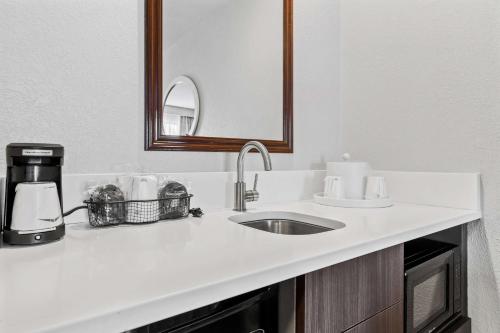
241, 195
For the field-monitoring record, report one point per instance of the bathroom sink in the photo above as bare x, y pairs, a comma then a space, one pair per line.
286, 227
286, 223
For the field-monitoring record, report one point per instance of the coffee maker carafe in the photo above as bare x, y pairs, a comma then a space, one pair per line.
33, 194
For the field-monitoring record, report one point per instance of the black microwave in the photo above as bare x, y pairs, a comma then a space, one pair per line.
432, 285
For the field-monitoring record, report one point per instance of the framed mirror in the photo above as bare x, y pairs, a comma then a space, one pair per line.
219, 73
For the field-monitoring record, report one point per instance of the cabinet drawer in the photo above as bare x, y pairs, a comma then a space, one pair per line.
388, 321
337, 298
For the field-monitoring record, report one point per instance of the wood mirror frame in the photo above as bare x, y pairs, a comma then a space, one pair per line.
154, 140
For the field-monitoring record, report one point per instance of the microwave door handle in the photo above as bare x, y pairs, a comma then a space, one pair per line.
221, 314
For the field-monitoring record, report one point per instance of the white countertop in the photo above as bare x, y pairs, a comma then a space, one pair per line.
111, 280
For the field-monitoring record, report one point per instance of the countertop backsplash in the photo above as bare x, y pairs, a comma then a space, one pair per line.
214, 190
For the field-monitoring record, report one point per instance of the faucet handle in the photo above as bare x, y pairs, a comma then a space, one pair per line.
255, 182
253, 195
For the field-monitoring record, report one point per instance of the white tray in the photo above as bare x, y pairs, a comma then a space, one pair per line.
352, 203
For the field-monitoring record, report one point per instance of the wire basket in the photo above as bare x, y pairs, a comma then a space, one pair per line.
103, 213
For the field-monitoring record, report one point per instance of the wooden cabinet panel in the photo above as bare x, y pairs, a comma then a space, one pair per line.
337, 298
388, 321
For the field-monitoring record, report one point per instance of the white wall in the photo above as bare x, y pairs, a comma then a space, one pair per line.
72, 72
421, 91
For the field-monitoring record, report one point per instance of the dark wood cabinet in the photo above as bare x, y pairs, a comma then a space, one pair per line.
337, 298
387, 321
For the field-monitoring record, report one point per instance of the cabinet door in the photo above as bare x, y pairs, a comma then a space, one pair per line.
388, 321
337, 298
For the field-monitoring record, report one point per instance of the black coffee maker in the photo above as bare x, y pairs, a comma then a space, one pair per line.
32, 165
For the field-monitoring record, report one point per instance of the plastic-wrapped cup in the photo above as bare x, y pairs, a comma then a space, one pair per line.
107, 206
334, 187
173, 200
376, 188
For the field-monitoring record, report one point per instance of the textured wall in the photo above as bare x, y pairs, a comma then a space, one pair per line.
68, 74
72, 72
421, 91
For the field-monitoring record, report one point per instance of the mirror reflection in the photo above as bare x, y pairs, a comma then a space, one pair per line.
233, 51
181, 110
